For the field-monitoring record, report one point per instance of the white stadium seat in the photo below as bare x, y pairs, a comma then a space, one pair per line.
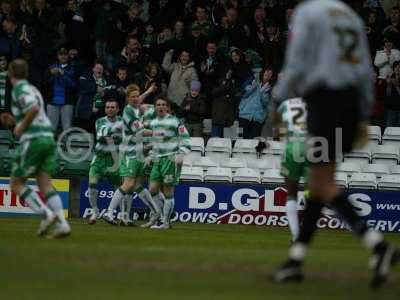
194, 155
383, 154
362, 155
219, 148
389, 182
219, 145
395, 169
392, 133
341, 179
245, 145
204, 162
246, 175
197, 144
245, 148
356, 160
274, 148
262, 164
391, 137
187, 161
349, 168
377, 169
363, 181
192, 173
272, 176
217, 156
374, 134
233, 163
245, 156
218, 174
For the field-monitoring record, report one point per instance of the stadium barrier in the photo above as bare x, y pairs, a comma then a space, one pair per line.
260, 205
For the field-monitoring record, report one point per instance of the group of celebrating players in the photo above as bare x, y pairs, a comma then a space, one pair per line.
327, 63
147, 141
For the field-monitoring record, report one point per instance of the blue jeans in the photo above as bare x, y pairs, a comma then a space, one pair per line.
392, 118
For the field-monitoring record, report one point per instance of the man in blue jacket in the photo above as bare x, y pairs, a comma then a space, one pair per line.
61, 91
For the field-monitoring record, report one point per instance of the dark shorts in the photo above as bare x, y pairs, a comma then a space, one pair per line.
329, 111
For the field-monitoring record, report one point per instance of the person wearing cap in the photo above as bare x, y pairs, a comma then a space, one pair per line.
60, 88
385, 58
193, 109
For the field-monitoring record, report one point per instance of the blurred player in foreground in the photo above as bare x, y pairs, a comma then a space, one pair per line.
328, 64
105, 161
171, 141
293, 115
36, 155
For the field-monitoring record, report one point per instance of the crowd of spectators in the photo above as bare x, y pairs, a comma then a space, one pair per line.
215, 59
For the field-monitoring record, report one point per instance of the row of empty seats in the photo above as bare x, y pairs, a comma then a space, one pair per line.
273, 176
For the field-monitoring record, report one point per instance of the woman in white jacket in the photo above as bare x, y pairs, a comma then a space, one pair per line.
385, 58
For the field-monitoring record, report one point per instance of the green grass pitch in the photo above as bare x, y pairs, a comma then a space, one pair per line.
191, 261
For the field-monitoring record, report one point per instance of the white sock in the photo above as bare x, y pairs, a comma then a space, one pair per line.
159, 200
128, 205
93, 193
371, 238
145, 195
298, 251
119, 194
33, 200
168, 209
55, 204
293, 218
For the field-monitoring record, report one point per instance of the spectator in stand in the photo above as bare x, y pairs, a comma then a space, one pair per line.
392, 97
373, 31
104, 20
231, 33
133, 58
193, 109
253, 107
76, 30
90, 100
5, 10
163, 11
211, 69
118, 87
196, 44
10, 43
241, 71
133, 25
182, 74
394, 28
385, 58
202, 21
61, 91
222, 105
149, 38
272, 48
153, 75
377, 115
5, 88
75, 61
44, 26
